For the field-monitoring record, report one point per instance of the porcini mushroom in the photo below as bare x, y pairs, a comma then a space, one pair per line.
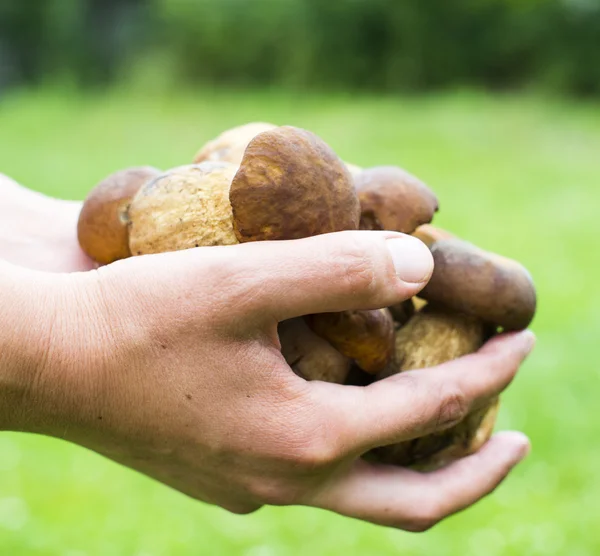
392, 199
365, 336
183, 208
468, 280
473, 293
430, 338
231, 144
289, 185
310, 356
102, 227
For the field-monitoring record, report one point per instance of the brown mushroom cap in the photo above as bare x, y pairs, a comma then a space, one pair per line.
291, 185
469, 280
365, 336
392, 199
309, 356
183, 208
430, 338
231, 144
102, 226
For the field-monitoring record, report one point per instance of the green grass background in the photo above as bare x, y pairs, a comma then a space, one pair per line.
518, 175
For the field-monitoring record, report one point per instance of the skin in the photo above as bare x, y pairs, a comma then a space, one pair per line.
39, 232
170, 364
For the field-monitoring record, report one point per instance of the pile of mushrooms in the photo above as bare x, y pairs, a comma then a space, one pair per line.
262, 182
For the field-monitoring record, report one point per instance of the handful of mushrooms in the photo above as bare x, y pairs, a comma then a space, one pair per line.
263, 182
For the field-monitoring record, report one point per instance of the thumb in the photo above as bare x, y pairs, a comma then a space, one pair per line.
331, 272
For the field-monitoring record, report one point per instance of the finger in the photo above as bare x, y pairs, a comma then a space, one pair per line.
327, 273
413, 501
416, 403
6, 182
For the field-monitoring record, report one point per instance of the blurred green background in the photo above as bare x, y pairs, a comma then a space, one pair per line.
374, 45
505, 128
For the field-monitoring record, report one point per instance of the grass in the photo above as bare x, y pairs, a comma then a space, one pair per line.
518, 175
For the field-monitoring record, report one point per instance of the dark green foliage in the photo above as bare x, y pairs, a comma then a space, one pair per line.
381, 45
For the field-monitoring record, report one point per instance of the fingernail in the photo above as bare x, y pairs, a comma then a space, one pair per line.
528, 338
412, 259
518, 444
522, 442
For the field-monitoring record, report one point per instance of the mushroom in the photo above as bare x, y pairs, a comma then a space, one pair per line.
183, 208
231, 144
102, 226
429, 234
392, 199
289, 185
430, 338
310, 356
468, 280
470, 295
402, 312
365, 336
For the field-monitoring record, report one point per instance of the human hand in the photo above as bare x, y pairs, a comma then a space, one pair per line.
39, 232
170, 364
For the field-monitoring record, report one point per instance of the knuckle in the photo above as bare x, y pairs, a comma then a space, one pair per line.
425, 517
418, 525
358, 268
242, 509
314, 445
272, 492
452, 408
315, 452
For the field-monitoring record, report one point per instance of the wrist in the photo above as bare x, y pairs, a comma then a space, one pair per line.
38, 345
20, 359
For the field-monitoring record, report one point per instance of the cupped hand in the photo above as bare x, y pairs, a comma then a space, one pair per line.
170, 364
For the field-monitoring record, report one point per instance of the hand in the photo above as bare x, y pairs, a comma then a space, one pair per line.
39, 232
170, 364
